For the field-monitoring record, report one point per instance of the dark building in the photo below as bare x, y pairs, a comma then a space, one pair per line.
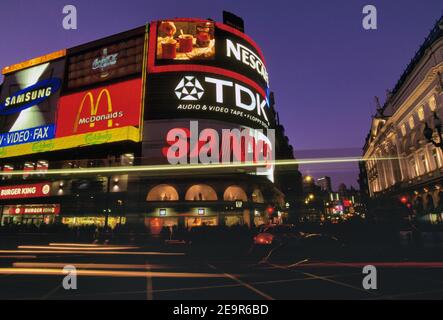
325, 183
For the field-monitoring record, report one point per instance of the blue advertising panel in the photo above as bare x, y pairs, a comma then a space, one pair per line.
28, 103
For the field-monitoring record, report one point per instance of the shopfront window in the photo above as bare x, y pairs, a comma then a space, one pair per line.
257, 196
234, 193
127, 159
162, 192
200, 222
7, 168
411, 123
42, 167
258, 221
28, 167
432, 103
201, 192
403, 130
93, 221
413, 167
424, 162
234, 220
421, 113
436, 157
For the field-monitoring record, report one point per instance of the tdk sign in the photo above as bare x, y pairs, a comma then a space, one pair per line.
30, 96
190, 89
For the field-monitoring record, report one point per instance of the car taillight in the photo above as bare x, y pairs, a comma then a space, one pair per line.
264, 238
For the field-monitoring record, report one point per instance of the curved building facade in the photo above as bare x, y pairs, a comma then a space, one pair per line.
92, 134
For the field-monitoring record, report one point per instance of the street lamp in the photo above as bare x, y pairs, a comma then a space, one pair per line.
429, 132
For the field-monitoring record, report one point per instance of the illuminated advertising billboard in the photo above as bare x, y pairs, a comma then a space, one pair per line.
28, 103
170, 141
185, 41
198, 95
34, 190
201, 45
103, 108
239, 53
104, 63
101, 115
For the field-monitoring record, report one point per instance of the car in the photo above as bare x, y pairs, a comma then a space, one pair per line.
276, 234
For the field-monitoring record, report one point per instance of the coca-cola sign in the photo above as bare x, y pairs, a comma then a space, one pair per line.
103, 63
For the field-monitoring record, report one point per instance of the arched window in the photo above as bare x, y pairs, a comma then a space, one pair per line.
201, 192
234, 193
162, 192
257, 196
432, 103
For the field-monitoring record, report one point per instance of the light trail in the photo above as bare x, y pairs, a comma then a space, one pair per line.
395, 264
85, 265
107, 273
17, 257
141, 253
76, 244
76, 248
189, 167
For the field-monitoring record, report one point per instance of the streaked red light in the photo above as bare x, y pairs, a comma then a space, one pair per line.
263, 238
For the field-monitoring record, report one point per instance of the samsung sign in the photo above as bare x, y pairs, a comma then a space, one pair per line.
20, 101
30, 96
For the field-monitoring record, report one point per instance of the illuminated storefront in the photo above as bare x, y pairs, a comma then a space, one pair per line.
214, 203
35, 214
98, 221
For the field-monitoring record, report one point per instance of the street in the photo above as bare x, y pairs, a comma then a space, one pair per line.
152, 273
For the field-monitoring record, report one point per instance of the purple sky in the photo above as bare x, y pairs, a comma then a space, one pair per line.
324, 67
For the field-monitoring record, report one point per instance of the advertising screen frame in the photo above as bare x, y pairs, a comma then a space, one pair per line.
97, 47
41, 95
126, 133
203, 104
197, 65
97, 96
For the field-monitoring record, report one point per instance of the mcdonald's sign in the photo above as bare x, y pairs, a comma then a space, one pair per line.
114, 106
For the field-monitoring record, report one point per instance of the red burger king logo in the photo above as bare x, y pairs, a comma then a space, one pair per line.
25, 191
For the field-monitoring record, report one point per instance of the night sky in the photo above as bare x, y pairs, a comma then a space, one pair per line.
325, 69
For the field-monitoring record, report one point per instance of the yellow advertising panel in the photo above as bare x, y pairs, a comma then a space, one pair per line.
85, 139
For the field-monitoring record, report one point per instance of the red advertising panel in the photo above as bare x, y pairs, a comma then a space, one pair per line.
34, 190
114, 106
32, 209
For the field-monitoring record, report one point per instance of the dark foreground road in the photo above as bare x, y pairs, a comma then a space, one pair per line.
126, 272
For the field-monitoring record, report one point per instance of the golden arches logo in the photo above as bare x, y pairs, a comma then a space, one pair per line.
94, 107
